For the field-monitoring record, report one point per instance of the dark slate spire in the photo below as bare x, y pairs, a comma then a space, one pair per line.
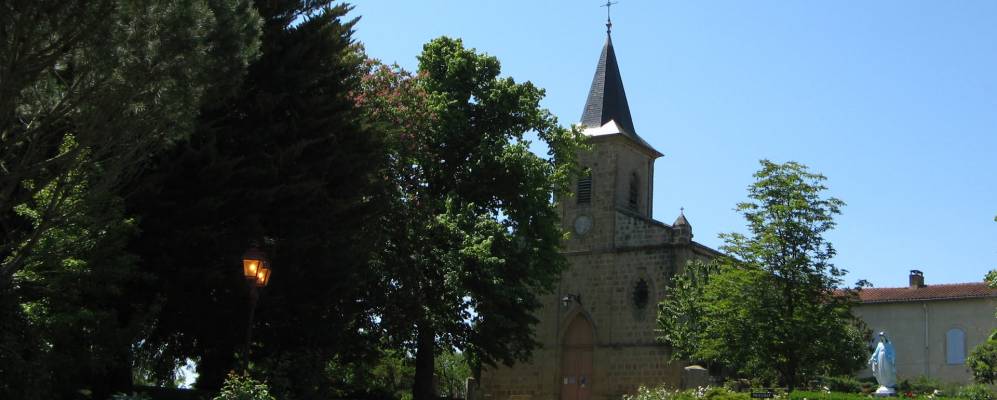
607, 100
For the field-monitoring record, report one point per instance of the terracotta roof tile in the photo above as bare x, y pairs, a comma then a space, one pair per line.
930, 292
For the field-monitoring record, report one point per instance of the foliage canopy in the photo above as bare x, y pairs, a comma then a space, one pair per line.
285, 161
772, 307
89, 92
983, 359
472, 236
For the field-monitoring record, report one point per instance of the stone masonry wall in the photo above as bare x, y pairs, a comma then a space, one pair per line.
632, 231
626, 354
605, 264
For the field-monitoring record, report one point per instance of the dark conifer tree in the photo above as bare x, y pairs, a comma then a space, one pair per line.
89, 90
285, 161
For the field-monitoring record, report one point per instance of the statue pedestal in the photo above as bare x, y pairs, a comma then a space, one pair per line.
884, 391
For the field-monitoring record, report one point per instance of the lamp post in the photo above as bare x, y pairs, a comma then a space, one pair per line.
567, 300
256, 270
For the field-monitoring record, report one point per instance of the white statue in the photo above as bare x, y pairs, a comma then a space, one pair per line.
884, 366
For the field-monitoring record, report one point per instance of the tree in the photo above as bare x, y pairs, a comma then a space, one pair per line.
88, 92
76, 291
680, 315
389, 376
452, 372
285, 160
243, 387
771, 307
983, 359
472, 235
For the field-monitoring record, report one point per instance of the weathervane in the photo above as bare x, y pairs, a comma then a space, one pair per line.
609, 21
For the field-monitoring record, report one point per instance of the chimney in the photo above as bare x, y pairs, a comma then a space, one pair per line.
916, 279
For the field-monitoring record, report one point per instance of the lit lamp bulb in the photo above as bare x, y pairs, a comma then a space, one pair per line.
263, 276
252, 261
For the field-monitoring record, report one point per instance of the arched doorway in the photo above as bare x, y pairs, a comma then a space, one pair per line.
576, 360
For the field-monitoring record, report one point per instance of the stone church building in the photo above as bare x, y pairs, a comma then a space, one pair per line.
598, 329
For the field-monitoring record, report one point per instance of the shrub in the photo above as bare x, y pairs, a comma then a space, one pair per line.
919, 385
976, 392
983, 362
867, 387
737, 385
804, 395
657, 393
132, 396
702, 393
719, 393
243, 387
845, 384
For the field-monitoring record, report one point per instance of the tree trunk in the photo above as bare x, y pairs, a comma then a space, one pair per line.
117, 379
791, 376
425, 363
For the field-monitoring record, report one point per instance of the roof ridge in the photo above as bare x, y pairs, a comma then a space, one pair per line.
941, 291
929, 285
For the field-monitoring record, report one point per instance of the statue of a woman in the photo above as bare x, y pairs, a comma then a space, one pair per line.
884, 366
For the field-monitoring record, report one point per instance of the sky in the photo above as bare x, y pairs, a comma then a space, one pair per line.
895, 101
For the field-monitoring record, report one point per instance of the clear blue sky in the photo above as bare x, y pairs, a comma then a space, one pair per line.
894, 101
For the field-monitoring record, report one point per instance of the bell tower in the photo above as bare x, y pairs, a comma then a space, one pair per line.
620, 167
598, 329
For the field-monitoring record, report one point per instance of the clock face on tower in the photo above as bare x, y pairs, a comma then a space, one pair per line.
583, 224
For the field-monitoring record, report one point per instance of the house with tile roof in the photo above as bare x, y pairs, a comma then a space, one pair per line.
933, 327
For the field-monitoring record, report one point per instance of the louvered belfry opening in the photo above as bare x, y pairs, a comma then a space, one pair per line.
634, 191
584, 191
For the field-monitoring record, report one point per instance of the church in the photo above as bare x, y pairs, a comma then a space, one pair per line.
597, 329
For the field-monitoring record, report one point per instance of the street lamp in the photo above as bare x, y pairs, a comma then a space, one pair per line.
256, 270
567, 300
256, 267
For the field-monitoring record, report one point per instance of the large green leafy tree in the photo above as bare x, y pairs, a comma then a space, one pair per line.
75, 294
388, 376
285, 161
772, 307
452, 372
89, 89
472, 236
88, 92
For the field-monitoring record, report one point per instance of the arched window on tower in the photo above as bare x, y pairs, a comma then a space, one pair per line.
634, 191
584, 192
955, 346
641, 294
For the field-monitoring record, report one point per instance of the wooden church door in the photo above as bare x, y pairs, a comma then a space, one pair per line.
576, 360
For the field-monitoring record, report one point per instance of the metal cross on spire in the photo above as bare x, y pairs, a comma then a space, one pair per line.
609, 21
